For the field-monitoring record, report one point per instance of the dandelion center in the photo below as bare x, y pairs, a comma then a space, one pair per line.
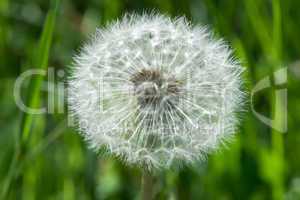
153, 88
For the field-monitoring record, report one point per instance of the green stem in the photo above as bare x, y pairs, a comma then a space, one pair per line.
147, 186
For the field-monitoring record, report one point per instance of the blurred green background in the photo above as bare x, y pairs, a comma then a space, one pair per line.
42, 158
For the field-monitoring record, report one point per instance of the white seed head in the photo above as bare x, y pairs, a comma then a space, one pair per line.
155, 91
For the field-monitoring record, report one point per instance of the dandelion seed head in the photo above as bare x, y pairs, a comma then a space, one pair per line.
156, 91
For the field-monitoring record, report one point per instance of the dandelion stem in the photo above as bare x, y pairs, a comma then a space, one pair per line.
147, 186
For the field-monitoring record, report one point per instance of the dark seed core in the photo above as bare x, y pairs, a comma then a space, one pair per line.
152, 88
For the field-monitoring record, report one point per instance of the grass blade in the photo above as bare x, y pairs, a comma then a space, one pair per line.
33, 100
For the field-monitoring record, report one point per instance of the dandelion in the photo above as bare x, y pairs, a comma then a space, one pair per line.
156, 91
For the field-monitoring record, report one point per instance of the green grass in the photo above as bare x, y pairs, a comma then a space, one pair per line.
33, 99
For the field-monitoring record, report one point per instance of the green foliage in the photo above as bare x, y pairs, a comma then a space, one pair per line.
41, 157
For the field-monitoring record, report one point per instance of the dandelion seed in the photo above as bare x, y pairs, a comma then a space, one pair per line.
156, 91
